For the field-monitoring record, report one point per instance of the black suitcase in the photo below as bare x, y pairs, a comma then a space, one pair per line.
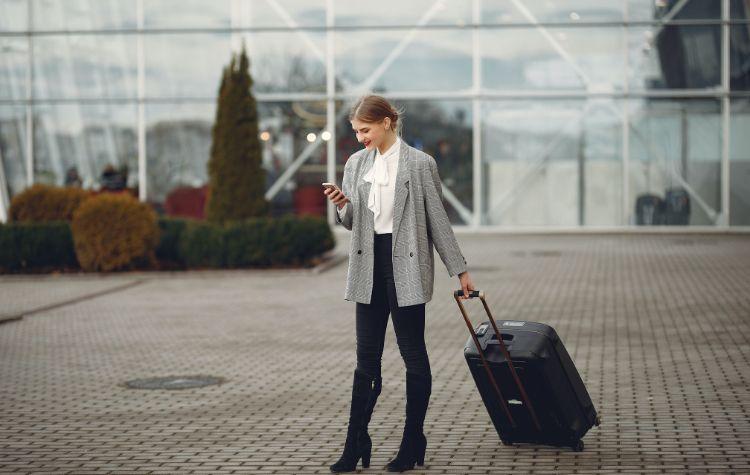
649, 210
677, 207
539, 398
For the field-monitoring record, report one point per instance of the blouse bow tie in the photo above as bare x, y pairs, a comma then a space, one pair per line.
378, 176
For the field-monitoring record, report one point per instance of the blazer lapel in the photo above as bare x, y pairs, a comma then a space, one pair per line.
402, 188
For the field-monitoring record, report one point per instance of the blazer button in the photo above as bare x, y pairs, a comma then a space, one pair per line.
411, 254
359, 252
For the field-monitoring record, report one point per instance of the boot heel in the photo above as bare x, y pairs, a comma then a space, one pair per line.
420, 455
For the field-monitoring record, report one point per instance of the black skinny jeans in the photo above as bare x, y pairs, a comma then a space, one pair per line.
372, 320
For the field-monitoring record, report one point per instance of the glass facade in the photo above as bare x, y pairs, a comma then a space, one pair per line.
575, 113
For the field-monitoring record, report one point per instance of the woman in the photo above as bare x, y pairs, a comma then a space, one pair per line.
391, 200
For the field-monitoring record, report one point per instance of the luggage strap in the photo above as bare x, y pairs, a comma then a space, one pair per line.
476, 293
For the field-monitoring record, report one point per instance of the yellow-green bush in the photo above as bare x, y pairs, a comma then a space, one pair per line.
113, 232
41, 203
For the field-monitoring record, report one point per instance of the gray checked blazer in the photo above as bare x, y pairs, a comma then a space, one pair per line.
419, 221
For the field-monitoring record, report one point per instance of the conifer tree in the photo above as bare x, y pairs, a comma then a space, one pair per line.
236, 177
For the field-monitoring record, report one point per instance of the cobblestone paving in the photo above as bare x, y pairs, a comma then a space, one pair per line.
659, 327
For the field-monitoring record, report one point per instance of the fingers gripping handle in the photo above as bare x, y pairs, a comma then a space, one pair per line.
472, 294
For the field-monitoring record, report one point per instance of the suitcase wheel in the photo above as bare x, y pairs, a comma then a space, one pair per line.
598, 421
506, 442
577, 446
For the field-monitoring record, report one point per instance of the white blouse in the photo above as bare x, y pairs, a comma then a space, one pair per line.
382, 176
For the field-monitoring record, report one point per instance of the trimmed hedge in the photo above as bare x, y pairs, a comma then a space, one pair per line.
202, 245
36, 247
183, 244
168, 250
41, 203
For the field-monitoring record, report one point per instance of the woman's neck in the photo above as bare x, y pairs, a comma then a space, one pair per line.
387, 143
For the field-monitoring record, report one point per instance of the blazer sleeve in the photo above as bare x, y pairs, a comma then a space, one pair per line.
345, 215
438, 225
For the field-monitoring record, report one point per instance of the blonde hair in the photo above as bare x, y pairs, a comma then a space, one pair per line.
371, 108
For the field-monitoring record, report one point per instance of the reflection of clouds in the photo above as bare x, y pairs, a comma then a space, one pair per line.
186, 13
400, 12
84, 66
503, 11
435, 60
83, 14
185, 64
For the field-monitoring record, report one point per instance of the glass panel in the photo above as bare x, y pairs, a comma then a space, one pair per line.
399, 13
546, 11
433, 60
178, 145
169, 72
83, 14
739, 57
739, 9
187, 13
280, 13
13, 148
76, 143
552, 162
560, 58
179, 140
13, 67
647, 10
287, 61
87, 66
674, 57
15, 15
279, 62
288, 130
675, 145
739, 163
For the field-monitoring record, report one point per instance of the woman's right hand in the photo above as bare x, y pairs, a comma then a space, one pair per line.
336, 196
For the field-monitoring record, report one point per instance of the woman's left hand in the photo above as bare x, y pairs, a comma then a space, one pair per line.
466, 284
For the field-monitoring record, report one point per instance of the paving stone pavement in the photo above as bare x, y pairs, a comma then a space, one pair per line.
658, 326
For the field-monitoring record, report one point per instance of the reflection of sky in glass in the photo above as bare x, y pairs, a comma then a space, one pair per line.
399, 12
13, 15
84, 66
83, 14
434, 60
508, 11
13, 66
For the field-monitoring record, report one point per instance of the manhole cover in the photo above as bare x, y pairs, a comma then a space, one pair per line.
174, 382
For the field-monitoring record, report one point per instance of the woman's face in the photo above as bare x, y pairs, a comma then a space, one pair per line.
370, 134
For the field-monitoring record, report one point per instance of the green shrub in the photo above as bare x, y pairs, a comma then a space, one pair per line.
113, 232
202, 245
284, 241
36, 246
168, 251
41, 203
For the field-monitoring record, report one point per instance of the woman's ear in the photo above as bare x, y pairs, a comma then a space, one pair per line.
387, 123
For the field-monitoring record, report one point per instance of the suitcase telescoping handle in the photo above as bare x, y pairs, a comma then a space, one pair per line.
477, 293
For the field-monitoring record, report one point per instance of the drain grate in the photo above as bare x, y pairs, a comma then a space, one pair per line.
174, 382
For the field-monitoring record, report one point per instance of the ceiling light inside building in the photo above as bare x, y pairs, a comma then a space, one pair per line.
326, 135
311, 137
265, 136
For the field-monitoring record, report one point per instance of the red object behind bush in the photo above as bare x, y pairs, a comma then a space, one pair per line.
187, 202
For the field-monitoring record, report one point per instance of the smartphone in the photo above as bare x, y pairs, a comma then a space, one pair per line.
330, 185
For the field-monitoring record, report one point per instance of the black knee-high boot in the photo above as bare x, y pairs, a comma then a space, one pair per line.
413, 443
358, 445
